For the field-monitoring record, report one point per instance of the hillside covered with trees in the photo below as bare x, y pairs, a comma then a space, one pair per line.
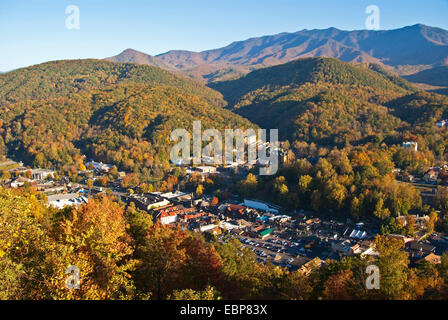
52, 114
331, 103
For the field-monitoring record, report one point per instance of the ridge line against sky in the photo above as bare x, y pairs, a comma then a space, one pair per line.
33, 32
276, 34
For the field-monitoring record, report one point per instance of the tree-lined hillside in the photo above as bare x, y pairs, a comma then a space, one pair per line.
318, 100
123, 114
63, 78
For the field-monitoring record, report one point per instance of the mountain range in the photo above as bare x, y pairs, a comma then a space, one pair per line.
122, 111
406, 50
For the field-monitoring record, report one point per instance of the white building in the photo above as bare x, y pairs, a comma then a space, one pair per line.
229, 226
259, 206
207, 227
168, 218
411, 145
66, 200
206, 169
358, 234
281, 218
99, 166
182, 162
172, 195
41, 174
158, 204
442, 123
20, 181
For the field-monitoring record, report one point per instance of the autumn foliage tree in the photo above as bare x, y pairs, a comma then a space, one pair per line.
338, 286
93, 237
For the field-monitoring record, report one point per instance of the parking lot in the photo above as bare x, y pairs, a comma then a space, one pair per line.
272, 249
304, 237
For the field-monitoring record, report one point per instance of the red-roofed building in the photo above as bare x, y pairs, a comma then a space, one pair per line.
170, 214
167, 217
235, 209
193, 216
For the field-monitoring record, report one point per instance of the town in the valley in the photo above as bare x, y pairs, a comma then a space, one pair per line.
294, 239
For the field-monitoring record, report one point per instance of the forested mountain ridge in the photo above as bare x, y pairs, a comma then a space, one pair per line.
313, 70
62, 78
121, 113
321, 100
52, 114
394, 47
327, 103
407, 48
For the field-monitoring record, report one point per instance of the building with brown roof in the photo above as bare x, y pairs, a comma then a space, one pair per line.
431, 258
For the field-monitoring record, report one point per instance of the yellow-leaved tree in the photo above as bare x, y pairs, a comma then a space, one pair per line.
93, 238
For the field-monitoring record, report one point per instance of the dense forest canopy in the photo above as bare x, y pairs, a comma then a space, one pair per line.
312, 70
63, 78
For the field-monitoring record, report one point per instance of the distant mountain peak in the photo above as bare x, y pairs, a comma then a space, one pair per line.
130, 50
133, 56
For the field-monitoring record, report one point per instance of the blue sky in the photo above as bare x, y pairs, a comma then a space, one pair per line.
34, 31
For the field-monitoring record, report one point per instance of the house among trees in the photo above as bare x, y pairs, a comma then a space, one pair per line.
99, 166
442, 123
418, 250
20, 181
310, 266
206, 170
410, 145
431, 175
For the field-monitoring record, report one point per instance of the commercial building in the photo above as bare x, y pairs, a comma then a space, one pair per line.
66, 200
